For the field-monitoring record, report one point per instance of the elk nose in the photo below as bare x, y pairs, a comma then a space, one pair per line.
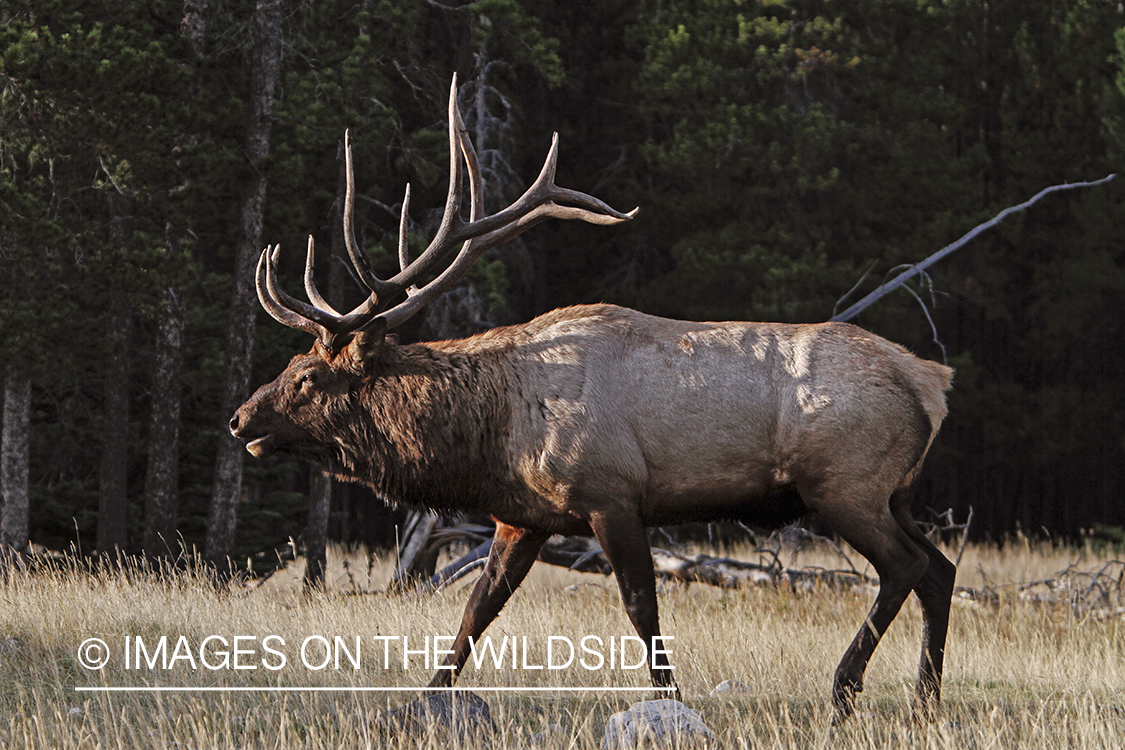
234, 424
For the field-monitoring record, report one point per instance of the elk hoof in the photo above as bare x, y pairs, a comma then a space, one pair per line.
843, 698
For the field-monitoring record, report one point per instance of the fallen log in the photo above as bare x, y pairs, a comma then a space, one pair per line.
585, 556
732, 574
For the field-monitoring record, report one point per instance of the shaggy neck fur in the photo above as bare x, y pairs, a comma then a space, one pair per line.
427, 428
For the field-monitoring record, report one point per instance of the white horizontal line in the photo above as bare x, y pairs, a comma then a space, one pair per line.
311, 689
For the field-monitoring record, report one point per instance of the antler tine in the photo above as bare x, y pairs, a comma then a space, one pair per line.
451, 218
266, 284
476, 181
474, 248
476, 195
450, 231
377, 286
310, 282
450, 222
537, 204
403, 249
332, 329
403, 245
545, 192
541, 192
322, 318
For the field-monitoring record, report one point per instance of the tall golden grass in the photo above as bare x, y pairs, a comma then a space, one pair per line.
1019, 673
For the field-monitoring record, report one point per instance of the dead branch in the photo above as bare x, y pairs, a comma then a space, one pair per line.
920, 268
573, 553
1095, 595
418, 531
425, 539
732, 574
461, 567
964, 537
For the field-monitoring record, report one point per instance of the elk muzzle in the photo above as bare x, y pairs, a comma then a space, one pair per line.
242, 425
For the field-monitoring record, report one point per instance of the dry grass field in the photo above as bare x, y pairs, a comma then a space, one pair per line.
1024, 670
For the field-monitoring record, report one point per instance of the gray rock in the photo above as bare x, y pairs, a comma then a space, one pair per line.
731, 687
657, 724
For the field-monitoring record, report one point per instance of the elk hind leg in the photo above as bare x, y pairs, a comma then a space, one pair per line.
624, 541
900, 564
935, 593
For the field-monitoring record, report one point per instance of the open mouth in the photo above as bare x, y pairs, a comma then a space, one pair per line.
261, 447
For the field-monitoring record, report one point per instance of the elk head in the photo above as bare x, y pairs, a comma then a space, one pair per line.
295, 411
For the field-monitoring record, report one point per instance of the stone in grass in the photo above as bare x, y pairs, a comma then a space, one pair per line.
449, 714
732, 687
657, 724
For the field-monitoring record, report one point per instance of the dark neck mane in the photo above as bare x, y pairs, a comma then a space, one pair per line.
427, 429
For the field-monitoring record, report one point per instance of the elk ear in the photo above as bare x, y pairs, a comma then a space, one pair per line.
366, 345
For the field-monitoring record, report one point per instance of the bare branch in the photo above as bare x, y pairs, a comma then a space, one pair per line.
914, 270
926, 312
850, 292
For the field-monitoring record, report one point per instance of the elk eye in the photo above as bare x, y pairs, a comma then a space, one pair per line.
309, 378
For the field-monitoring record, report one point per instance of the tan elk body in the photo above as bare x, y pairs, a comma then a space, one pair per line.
690, 421
602, 420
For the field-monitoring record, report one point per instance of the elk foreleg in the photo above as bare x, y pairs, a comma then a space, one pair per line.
625, 543
513, 552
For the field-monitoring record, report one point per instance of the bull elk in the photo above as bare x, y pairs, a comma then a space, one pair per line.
603, 420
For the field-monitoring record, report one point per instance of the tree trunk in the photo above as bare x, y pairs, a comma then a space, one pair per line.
162, 476
193, 23
227, 485
320, 484
341, 290
113, 472
13, 462
316, 533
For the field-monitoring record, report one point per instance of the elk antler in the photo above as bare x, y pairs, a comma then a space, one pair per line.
541, 201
